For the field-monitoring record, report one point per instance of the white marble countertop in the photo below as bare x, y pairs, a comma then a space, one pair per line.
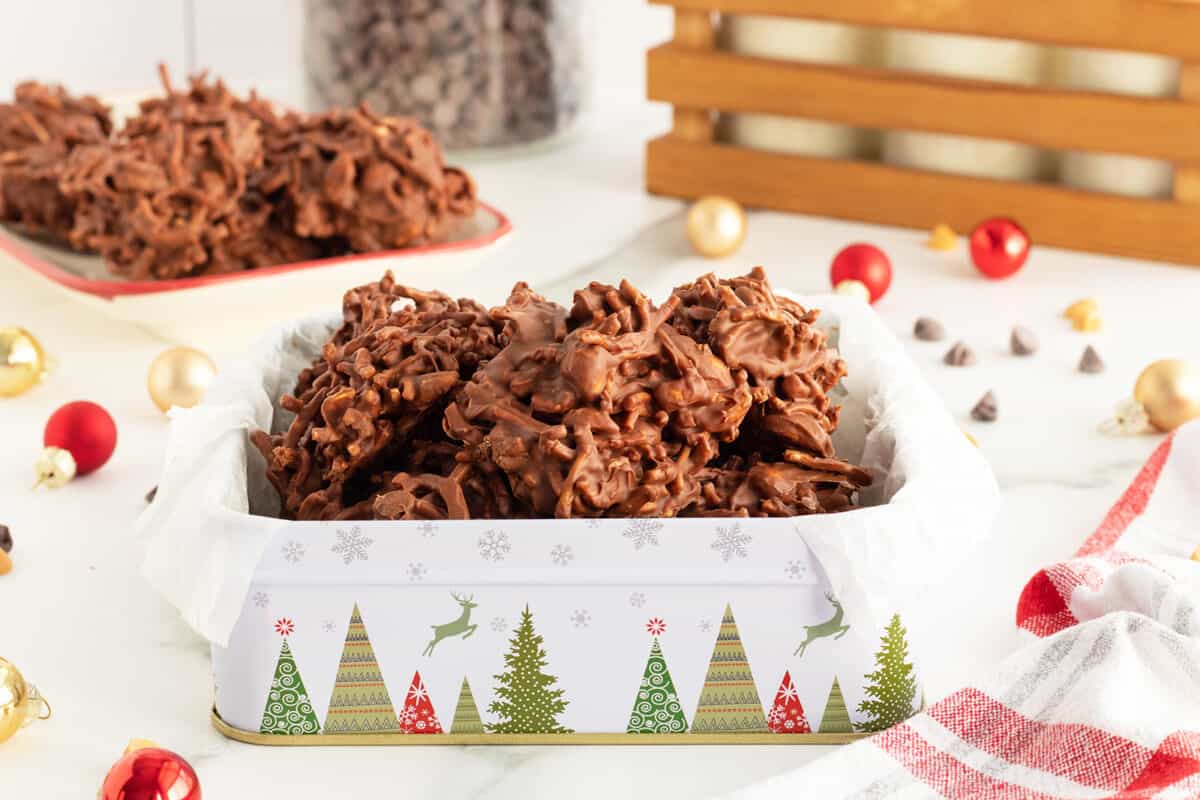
118, 663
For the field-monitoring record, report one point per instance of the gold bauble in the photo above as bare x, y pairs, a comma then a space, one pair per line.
716, 226
22, 361
1169, 390
853, 288
20, 702
179, 376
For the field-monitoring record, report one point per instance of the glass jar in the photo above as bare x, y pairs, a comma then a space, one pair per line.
478, 73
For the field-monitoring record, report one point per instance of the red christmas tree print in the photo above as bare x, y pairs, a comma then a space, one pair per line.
418, 716
787, 715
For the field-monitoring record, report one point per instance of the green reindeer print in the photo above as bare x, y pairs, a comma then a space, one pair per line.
830, 627
458, 627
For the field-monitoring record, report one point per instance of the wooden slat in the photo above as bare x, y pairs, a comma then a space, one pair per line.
1169, 27
1167, 129
1056, 216
696, 32
1187, 175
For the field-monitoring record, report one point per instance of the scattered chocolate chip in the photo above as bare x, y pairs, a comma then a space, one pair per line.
960, 355
986, 410
150, 495
6, 541
928, 329
1090, 362
1023, 341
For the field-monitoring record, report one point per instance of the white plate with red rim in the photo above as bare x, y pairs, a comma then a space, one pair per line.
244, 304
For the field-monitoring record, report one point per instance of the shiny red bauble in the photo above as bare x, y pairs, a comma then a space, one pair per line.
86, 431
866, 263
151, 774
999, 247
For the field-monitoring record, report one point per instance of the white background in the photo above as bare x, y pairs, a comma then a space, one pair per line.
117, 663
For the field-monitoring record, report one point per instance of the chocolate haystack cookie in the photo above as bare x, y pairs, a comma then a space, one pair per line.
38, 130
714, 403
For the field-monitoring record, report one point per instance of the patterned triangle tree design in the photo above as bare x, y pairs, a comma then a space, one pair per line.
729, 700
526, 701
418, 715
892, 687
836, 718
360, 701
466, 713
656, 708
787, 714
288, 711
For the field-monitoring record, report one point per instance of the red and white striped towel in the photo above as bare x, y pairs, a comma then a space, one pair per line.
1106, 705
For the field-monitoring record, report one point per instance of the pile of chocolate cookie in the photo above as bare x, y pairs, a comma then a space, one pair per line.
202, 181
714, 403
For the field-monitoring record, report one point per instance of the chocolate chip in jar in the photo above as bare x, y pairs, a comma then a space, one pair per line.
959, 355
1022, 341
986, 410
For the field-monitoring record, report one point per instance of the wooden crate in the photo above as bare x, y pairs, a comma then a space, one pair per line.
699, 80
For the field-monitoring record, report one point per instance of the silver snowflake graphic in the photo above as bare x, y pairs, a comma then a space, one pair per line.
499, 624
593, 523
328, 626
705, 625
416, 571
494, 545
580, 618
637, 599
562, 555
795, 570
261, 599
643, 532
427, 529
352, 545
730, 542
293, 551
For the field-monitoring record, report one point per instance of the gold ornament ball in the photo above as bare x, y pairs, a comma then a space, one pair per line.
716, 226
20, 703
22, 361
1169, 390
55, 468
179, 376
853, 288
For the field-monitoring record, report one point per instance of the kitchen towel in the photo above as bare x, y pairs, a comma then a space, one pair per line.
1104, 704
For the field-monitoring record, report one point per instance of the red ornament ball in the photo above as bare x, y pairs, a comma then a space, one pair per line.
86, 431
866, 263
151, 774
999, 247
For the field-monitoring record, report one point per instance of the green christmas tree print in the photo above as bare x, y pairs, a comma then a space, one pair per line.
360, 701
836, 718
526, 700
288, 711
729, 700
657, 708
466, 714
892, 687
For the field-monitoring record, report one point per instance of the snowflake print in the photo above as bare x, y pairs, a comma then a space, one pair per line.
427, 529
643, 532
328, 626
795, 570
352, 545
637, 599
494, 545
262, 599
416, 571
705, 625
776, 715
408, 715
581, 618
499, 624
417, 693
788, 693
562, 555
656, 626
284, 626
293, 551
730, 542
